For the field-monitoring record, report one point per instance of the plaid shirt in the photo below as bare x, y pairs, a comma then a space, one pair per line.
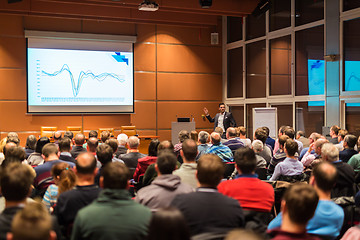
222, 151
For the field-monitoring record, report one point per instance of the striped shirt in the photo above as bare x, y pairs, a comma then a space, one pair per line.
222, 151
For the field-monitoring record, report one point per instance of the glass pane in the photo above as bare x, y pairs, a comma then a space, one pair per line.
256, 70
352, 116
351, 78
238, 114
235, 73
350, 4
309, 116
234, 29
284, 115
310, 64
249, 119
280, 14
255, 27
280, 66
307, 11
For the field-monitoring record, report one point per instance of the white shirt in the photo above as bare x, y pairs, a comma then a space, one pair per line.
221, 121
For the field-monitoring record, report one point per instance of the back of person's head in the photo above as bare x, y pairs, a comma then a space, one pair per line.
350, 140
30, 142
115, 176
15, 140
335, 129
183, 135
8, 146
320, 142
92, 144
242, 130
282, 140
15, 181
242, 234
33, 222
168, 224
165, 146
69, 135
2, 144
93, 133
342, 133
64, 144
291, 147
267, 130
57, 135
166, 162
12, 134
133, 142
290, 132
79, 139
257, 145
231, 132
219, 130
14, 154
153, 147
189, 148
215, 138
113, 143
50, 149
85, 164
194, 135
314, 136
245, 160
325, 176
330, 152
282, 129
300, 133
105, 135
104, 154
210, 170
122, 138
261, 135
301, 201
203, 137
65, 175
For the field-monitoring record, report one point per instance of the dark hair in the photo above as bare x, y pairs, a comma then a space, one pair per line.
113, 143
301, 201
260, 134
350, 140
93, 133
189, 148
15, 181
291, 147
242, 130
166, 162
221, 104
282, 139
289, 131
245, 159
30, 142
165, 145
153, 147
64, 144
301, 133
41, 143
14, 155
168, 224
67, 178
49, 148
267, 130
335, 129
116, 175
325, 180
69, 134
210, 170
183, 135
282, 128
105, 135
104, 154
79, 139
87, 168
194, 135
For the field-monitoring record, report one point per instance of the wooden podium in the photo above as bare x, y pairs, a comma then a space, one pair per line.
176, 127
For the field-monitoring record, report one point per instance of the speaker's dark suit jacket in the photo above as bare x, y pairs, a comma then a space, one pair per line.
229, 120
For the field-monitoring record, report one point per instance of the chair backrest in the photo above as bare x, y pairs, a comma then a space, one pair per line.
261, 172
129, 130
229, 169
74, 130
47, 131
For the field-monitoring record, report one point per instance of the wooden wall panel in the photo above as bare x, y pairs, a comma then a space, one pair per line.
183, 35
52, 24
106, 121
11, 25
179, 58
145, 33
106, 27
145, 115
146, 132
12, 52
14, 82
165, 135
144, 57
189, 87
145, 86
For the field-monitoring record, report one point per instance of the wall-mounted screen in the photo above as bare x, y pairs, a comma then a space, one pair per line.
352, 76
67, 76
316, 80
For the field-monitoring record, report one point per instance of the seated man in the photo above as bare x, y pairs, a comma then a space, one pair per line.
300, 136
258, 147
113, 215
122, 138
298, 207
266, 153
329, 217
291, 166
315, 147
251, 192
207, 210
232, 142
349, 145
131, 158
217, 148
78, 148
165, 187
203, 138
290, 132
64, 148
279, 156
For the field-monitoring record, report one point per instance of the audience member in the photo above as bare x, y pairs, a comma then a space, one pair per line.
131, 158
104, 155
266, 153
204, 139
279, 156
78, 147
143, 163
105, 135
122, 138
69, 135
30, 145
57, 136
113, 215
165, 187
219, 149
64, 148
300, 136
341, 137
258, 147
354, 161
232, 142
194, 136
242, 136
269, 141
35, 158
329, 217
315, 147
13, 139
183, 135
2, 146
298, 207
280, 133
349, 145
113, 143
334, 131
291, 166
206, 210
312, 138
187, 170
14, 154
290, 132
92, 144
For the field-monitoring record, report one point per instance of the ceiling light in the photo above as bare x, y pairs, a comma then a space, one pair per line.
148, 6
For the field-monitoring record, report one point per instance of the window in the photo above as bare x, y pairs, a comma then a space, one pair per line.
352, 116
256, 70
307, 11
350, 4
280, 14
309, 116
284, 114
238, 114
234, 29
235, 73
255, 27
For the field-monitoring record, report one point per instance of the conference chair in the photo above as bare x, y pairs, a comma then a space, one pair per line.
74, 130
47, 131
129, 130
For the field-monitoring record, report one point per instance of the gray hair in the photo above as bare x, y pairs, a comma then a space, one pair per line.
257, 146
203, 137
330, 152
122, 137
133, 142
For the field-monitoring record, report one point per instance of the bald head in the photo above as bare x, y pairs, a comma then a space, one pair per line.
86, 164
189, 150
324, 176
57, 135
92, 143
318, 144
230, 133
215, 138
79, 139
133, 142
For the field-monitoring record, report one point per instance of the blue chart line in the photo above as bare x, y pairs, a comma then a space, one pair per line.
76, 87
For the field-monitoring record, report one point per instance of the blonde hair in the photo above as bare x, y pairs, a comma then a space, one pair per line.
2, 144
